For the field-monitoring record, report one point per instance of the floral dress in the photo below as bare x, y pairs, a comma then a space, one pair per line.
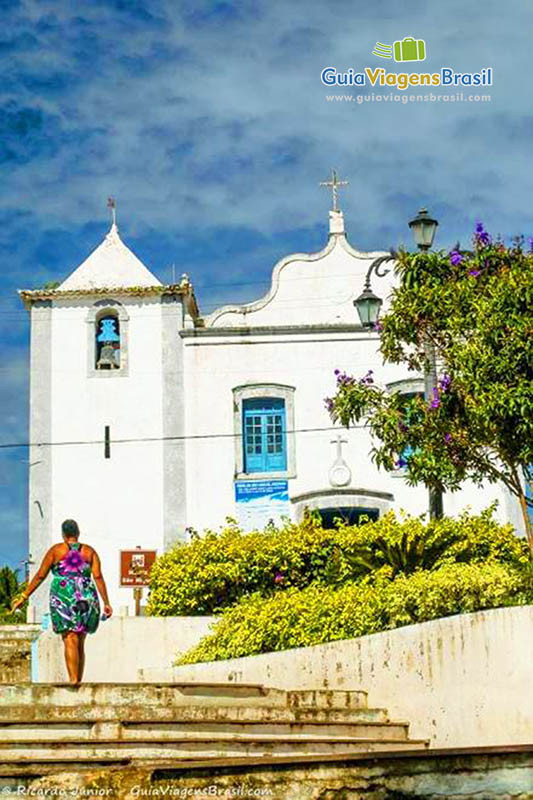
74, 604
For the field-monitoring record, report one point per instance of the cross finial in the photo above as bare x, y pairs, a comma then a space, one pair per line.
111, 203
334, 184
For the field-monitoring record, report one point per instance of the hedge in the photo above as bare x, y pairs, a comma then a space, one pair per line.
318, 614
216, 571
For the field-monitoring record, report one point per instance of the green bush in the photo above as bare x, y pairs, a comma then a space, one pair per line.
6, 618
317, 614
216, 571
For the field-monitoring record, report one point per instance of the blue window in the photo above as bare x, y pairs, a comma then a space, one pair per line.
264, 434
407, 451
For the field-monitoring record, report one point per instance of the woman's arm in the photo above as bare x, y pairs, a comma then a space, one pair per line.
37, 579
96, 569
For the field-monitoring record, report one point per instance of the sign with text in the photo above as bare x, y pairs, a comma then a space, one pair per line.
135, 566
258, 502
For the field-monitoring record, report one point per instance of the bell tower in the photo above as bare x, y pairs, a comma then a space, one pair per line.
106, 410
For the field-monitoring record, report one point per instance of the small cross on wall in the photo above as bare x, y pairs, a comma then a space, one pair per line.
334, 184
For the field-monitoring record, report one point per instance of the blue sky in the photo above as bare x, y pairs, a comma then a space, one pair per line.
209, 124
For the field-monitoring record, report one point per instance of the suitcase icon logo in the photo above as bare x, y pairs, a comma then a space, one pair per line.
410, 49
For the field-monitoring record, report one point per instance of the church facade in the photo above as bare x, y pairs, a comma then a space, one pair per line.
148, 420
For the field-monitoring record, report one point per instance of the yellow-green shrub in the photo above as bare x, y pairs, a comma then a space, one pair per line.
317, 614
215, 571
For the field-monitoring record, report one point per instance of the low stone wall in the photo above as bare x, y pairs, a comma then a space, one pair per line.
15, 649
120, 647
461, 681
488, 775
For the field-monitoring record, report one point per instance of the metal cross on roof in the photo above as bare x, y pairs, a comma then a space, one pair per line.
111, 203
334, 184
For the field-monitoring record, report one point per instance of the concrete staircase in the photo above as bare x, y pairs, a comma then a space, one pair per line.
55, 727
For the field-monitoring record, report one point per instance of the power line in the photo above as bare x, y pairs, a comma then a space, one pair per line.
6, 445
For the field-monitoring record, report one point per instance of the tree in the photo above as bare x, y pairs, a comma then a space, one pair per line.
9, 587
475, 308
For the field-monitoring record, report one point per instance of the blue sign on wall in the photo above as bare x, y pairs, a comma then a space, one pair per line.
258, 502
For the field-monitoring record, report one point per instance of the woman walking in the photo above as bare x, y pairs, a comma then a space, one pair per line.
74, 604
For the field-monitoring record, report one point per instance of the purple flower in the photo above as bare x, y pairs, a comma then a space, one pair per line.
328, 401
474, 272
481, 236
400, 462
278, 578
445, 383
435, 403
344, 380
530, 242
336, 371
367, 379
448, 437
378, 326
73, 562
456, 257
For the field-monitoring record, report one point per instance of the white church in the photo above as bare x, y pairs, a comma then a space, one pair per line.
148, 419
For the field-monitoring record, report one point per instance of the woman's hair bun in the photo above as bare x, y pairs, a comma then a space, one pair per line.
70, 527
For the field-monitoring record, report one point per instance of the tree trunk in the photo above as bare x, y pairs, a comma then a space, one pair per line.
430, 382
527, 521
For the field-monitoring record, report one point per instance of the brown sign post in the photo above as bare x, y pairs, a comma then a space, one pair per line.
135, 566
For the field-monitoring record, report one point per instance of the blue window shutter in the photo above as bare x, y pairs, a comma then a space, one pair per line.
529, 490
407, 451
264, 434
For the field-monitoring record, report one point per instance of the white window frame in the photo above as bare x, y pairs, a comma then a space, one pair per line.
101, 309
245, 392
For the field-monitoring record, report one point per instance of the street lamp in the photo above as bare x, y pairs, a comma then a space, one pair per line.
368, 304
423, 228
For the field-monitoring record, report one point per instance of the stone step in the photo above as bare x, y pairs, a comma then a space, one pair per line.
76, 753
133, 712
45, 725
176, 695
198, 731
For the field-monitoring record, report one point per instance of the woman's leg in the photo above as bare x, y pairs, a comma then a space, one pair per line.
70, 641
81, 655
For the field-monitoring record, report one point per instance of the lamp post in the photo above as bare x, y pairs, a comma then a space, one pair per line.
423, 228
368, 306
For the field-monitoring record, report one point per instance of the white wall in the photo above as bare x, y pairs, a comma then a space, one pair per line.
117, 502
306, 290
462, 681
120, 647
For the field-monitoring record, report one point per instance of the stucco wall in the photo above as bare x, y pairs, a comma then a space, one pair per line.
15, 646
122, 501
462, 681
313, 293
120, 647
